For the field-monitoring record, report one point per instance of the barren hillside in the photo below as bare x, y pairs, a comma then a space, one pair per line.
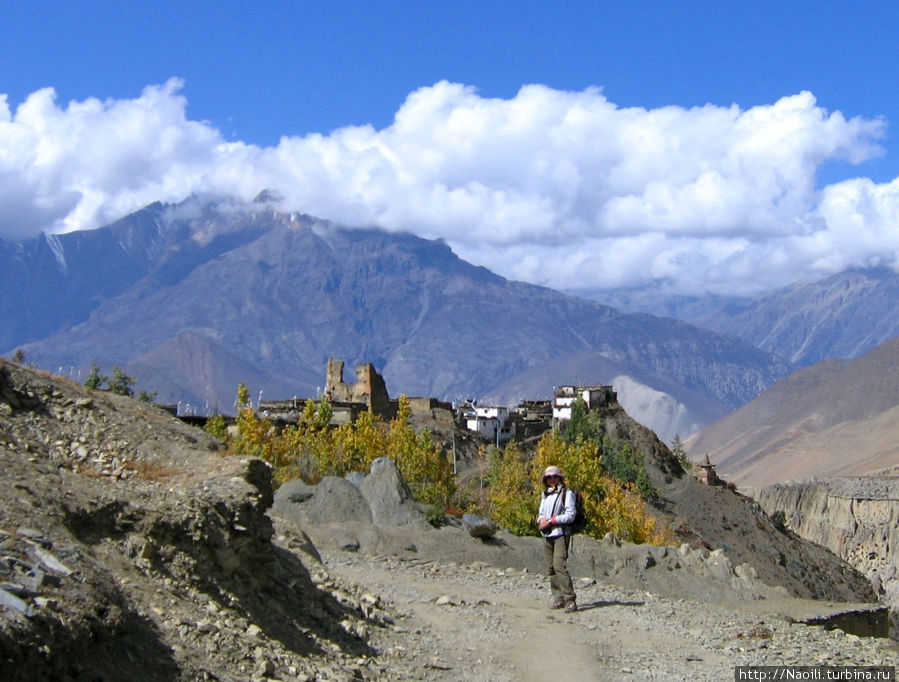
836, 418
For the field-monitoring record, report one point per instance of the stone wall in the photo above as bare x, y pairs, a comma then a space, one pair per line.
437, 410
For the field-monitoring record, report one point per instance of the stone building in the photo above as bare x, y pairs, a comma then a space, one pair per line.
368, 389
706, 473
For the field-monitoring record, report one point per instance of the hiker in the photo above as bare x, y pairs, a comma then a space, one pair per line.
557, 511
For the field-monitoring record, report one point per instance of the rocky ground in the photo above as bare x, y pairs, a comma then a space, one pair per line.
478, 622
130, 547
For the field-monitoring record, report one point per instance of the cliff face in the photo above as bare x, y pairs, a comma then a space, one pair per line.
856, 518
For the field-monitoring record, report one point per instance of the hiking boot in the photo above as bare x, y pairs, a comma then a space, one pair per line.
571, 607
557, 604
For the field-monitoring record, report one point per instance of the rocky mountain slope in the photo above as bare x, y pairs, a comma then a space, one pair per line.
131, 548
836, 418
190, 297
842, 316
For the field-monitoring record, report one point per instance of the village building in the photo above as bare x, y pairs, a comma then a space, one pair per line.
348, 400
564, 398
369, 388
491, 422
531, 419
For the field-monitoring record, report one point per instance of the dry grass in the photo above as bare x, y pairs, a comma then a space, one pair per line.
151, 471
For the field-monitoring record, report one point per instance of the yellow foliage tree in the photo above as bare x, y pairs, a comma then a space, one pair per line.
254, 435
420, 460
510, 492
313, 449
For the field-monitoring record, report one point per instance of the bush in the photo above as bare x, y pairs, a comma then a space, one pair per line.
95, 380
216, 427
779, 519
121, 383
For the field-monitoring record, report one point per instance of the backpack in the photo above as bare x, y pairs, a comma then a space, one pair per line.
580, 514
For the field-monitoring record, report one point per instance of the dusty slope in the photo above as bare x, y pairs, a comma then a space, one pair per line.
837, 418
719, 518
130, 549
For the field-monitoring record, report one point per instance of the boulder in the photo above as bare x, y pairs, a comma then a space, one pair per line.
389, 497
333, 500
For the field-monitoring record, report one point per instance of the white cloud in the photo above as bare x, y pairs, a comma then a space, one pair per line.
562, 188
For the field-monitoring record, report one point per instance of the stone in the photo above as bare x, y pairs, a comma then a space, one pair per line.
333, 500
389, 497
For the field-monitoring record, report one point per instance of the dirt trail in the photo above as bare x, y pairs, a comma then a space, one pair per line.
476, 622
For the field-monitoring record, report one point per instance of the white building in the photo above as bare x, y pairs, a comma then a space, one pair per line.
491, 422
565, 396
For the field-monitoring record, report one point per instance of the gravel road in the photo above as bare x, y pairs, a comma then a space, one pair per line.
477, 622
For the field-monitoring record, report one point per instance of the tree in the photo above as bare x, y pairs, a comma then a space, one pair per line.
312, 448
679, 451
421, 461
579, 426
619, 460
121, 384
510, 491
95, 380
626, 466
611, 504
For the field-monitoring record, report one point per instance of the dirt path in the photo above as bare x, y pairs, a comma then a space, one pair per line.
476, 622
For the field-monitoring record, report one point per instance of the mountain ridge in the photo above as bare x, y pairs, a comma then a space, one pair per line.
284, 292
835, 418
841, 316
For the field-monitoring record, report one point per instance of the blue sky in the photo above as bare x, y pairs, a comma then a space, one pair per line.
309, 93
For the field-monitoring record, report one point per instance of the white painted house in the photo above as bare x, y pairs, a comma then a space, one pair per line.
565, 396
492, 422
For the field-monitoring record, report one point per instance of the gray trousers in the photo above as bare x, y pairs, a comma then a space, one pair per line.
555, 557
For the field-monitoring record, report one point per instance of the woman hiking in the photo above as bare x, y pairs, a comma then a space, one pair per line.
557, 511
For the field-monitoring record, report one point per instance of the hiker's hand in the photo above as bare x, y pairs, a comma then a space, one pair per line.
543, 524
